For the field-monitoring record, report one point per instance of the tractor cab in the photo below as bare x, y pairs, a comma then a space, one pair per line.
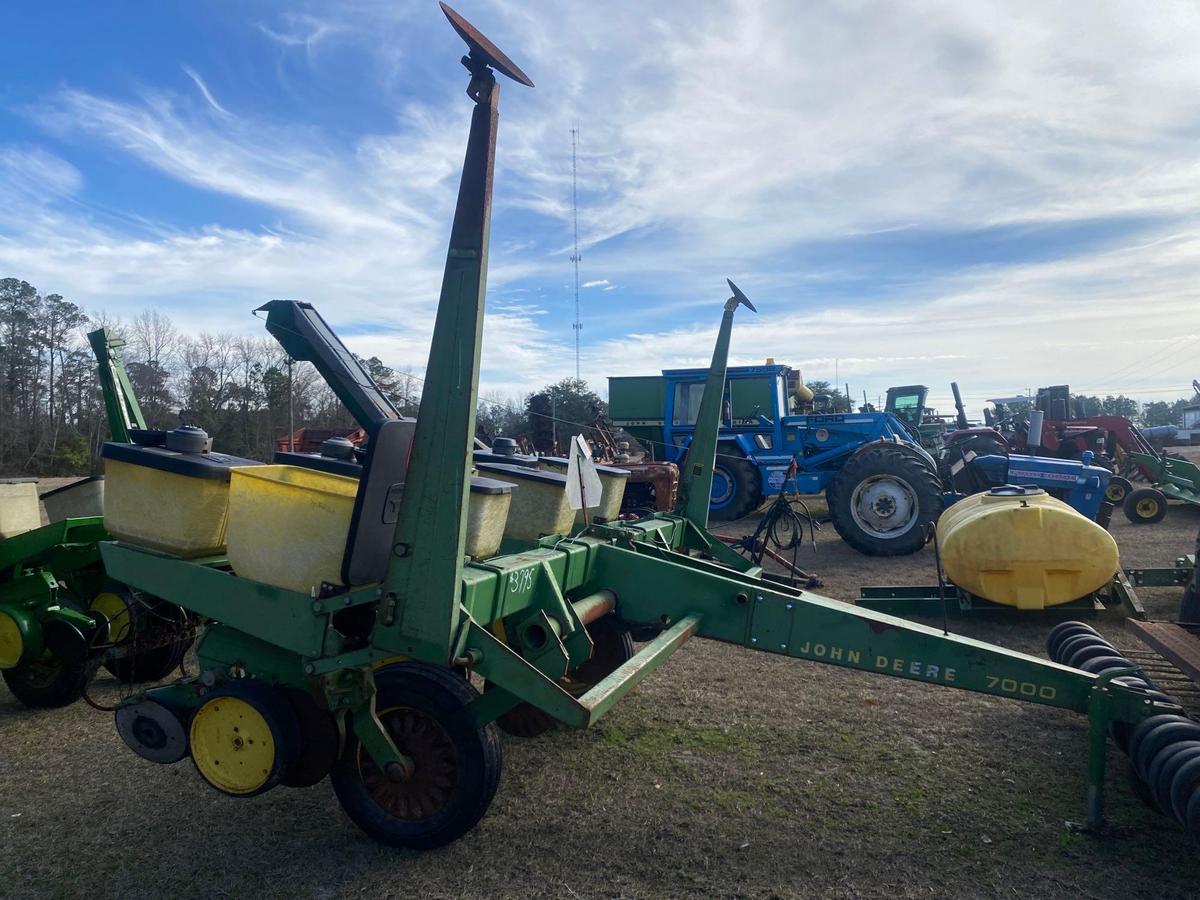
907, 403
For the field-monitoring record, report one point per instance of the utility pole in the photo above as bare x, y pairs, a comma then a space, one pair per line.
578, 325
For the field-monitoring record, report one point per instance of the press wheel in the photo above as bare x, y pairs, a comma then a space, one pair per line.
456, 764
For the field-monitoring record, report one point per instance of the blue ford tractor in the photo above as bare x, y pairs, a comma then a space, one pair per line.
882, 488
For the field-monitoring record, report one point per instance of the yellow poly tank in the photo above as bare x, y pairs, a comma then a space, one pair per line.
612, 487
539, 502
19, 510
77, 499
172, 500
1021, 547
487, 516
288, 525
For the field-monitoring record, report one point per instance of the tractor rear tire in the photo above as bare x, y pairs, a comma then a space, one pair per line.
744, 492
877, 484
955, 462
1145, 506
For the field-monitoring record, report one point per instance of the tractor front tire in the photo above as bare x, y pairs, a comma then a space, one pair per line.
737, 489
1118, 489
882, 501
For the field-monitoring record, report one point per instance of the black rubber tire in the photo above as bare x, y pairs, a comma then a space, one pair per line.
442, 698
1192, 819
1164, 766
886, 462
151, 665
1183, 785
748, 493
47, 683
1140, 789
152, 619
1137, 506
1098, 665
1061, 632
1118, 489
1157, 738
1076, 642
319, 741
1086, 654
1143, 728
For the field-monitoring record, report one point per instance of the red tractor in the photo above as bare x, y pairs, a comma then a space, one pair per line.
1109, 438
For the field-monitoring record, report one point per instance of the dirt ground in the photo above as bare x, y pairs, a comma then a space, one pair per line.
728, 773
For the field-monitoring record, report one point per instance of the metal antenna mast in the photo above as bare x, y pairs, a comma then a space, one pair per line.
578, 325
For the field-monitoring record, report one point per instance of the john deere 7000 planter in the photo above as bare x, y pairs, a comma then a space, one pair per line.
364, 675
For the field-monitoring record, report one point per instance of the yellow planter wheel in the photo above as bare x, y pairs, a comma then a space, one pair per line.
243, 738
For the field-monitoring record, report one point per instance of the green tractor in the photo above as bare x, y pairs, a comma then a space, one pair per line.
371, 674
61, 616
907, 403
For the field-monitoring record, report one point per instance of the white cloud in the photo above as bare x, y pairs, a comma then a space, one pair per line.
204, 91
716, 138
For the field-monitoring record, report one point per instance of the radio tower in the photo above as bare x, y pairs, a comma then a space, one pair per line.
578, 325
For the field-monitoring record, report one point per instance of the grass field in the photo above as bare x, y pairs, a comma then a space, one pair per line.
727, 774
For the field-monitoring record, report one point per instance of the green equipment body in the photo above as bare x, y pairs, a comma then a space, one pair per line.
372, 681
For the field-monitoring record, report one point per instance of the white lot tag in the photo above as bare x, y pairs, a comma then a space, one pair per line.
583, 484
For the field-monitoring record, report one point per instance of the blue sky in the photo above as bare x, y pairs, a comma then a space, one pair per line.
1003, 193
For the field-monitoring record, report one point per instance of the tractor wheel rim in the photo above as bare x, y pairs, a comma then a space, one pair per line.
884, 506
722, 486
435, 775
1147, 508
1115, 493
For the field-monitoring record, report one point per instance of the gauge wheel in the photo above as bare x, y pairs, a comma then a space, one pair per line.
47, 682
456, 763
